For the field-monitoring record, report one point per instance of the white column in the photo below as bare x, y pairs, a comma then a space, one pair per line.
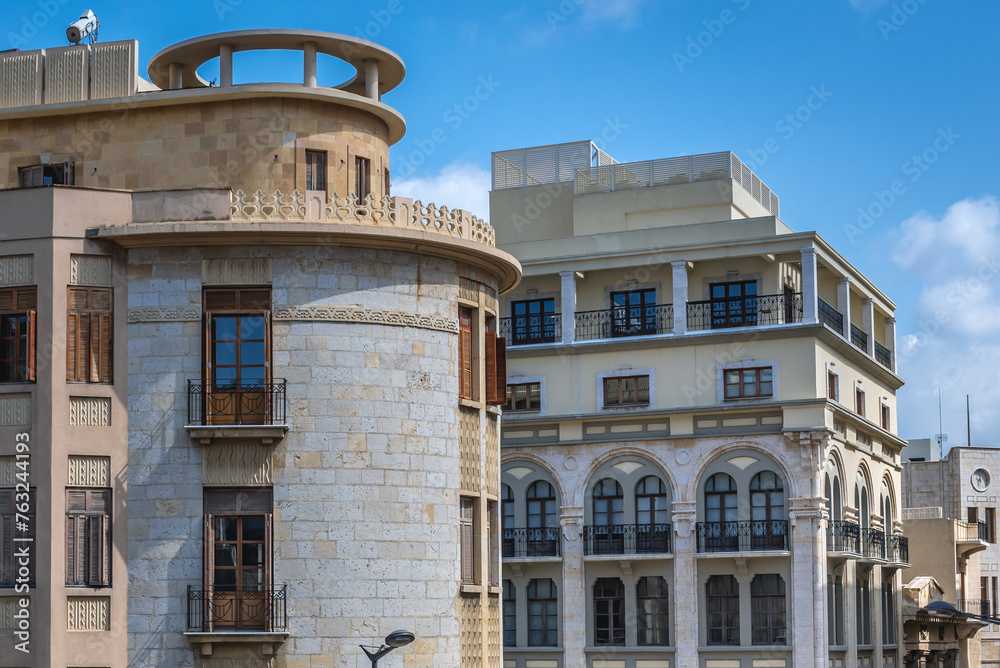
810, 306
686, 585
868, 324
844, 304
176, 78
371, 79
574, 589
225, 65
810, 645
568, 306
890, 341
680, 296
309, 64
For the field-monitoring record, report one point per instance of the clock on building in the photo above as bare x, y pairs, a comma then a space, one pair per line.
980, 480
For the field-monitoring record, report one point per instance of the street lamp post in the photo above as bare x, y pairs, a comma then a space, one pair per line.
392, 641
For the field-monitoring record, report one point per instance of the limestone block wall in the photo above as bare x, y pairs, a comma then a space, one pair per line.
366, 482
239, 144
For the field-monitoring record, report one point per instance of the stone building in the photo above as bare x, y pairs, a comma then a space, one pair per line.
950, 507
700, 459
259, 395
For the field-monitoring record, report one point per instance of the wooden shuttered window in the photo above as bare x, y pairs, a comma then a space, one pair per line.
468, 540
362, 178
63, 173
465, 350
496, 369
316, 170
88, 537
89, 335
18, 319
9, 566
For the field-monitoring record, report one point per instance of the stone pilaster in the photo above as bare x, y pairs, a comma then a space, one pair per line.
868, 323
809, 569
568, 279
890, 341
680, 296
574, 588
810, 296
686, 582
844, 303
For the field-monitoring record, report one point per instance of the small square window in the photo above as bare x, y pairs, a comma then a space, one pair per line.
749, 383
523, 398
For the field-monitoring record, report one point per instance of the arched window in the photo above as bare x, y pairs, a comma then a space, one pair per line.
828, 493
609, 612
768, 527
652, 611
652, 531
721, 532
608, 506
542, 538
838, 503
543, 615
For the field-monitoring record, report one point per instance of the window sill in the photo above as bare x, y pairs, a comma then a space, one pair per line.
495, 589
269, 640
267, 433
471, 589
469, 403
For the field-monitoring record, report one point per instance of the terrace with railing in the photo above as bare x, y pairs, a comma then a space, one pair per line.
624, 321
527, 543
743, 536
626, 539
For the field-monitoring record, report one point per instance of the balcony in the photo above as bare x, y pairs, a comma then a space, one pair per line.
213, 610
898, 549
531, 543
753, 311
525, 330
883, 356
843, 536
975, 606
218, 403
873, 544
970, 532
746, 536
830, 316
859, 337
626, 539
624, 321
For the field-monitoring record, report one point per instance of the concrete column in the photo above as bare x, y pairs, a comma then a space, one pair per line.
876, 580
574, 589
890, 341
568, 314
686, 585
176, 72
309, 64
225, 65
809, 641
371, 79
680, 296
850, 616
868, 324
810, 294
844, 304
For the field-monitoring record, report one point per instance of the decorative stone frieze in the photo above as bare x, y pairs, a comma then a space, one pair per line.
87, 471
15, 410
8, 606
8, 471
94, 270
90, 411
237, 464
236, 271
369, 316
88, 613
164, 314
17, 270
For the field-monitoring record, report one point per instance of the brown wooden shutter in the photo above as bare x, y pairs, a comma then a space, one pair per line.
490, 341
72, 334
498, 385
70, 550
465, 353
94, 543
468, 546
100, 347
32, 317
83, 323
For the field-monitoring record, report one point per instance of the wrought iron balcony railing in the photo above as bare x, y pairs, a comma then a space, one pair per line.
873, 543
523, 330
745, 536
624, 321
859, 337
843, 536
626, 539
521, 543
898, 549
975, 606
758, 310
831, 317
883, 356
214, 609
236, 403
968, 531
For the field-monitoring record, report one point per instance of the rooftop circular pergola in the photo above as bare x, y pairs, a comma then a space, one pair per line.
377, 69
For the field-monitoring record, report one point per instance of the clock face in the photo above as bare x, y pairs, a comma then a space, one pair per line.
980, 480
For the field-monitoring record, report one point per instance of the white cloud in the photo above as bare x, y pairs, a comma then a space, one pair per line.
950, 343
460, 185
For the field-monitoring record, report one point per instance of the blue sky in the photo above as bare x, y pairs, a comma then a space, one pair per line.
836, 104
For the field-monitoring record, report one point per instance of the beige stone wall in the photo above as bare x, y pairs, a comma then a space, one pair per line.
242, 144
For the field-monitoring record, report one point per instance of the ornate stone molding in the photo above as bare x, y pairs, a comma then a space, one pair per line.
15, 410
236, 271
8, 471
90, 270
370, 316
237, 463
8, 606
17, 270
85, 471
88, 613
90, 411
164, 314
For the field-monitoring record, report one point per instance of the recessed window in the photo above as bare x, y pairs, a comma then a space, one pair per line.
652, 611
749, 383
10, 535
509, 614
17, 334
543, 617
466, 388
609, 612
388, 183
533, 321
722, 596
859, 400
89, 335
88, 537
767, 602
734, 304
362, 178
523, 398
832, 385
626, 391
62, 173
633, 313
467, 537
885, 416
316, 170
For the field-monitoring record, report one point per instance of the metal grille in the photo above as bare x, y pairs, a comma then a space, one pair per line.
831, 317
882, 355
236, 403
213, 609
751, 311
540, 165
745, 536
624, 321
543, 542
627, 539
859, 337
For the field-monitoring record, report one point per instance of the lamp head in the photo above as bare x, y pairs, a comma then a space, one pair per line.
399, 638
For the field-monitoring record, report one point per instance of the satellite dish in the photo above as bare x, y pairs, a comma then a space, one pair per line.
84, 27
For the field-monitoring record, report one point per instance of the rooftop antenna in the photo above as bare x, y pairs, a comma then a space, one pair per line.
968, 420
942, 437
83, 28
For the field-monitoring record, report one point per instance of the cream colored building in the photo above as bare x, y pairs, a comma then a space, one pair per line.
949, 509
258, 394
700, 458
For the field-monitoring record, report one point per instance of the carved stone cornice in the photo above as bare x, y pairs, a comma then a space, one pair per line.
164, 314
371, 316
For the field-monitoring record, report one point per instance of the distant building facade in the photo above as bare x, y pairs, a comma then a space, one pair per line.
700, 453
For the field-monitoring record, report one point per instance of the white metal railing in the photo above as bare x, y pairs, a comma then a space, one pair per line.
667, 171
540, 165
